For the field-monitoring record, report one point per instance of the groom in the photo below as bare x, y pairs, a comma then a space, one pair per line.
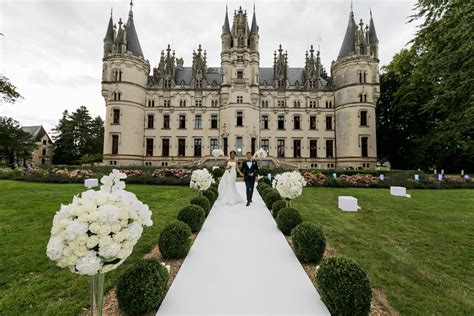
250, 171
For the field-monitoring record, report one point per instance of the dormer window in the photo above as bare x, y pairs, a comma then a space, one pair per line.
167, 103
264, 103
240, 58
281, 84
198, 84
312, 104
240, 74
167, 83
182, 103
214, 103
312, 84
151, 103
240, 99
296, 104
117, 96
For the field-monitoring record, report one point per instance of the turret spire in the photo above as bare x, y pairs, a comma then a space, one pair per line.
254, 28
133, 45
348, 45
372, 33
226, 26
109, 35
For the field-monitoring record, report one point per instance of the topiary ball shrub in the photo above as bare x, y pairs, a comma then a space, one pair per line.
265, 180
142, 287
344, 287
203, 202
175, 240
271, 198
287, 219
277, 206
210, 195
266, 191
193, 215
262, 186
215, 190
309, 242
218, 172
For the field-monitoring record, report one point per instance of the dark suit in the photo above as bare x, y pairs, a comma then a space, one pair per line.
249, 180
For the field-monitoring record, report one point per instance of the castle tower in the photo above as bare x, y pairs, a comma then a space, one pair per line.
356, 80
239, 113
124, 78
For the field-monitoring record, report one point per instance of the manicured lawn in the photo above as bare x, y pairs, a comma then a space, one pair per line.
32, 284
420, 251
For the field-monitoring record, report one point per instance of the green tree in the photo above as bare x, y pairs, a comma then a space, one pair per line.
15, 143
8, 92
426, 109
79, 138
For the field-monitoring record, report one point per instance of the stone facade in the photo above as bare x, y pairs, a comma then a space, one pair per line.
43, 151
171, 114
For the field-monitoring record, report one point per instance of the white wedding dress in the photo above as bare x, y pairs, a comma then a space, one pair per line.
227, 190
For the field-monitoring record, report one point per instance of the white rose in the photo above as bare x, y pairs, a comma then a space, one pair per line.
104, 230
120, 236
105, 241
92, 241
95, 228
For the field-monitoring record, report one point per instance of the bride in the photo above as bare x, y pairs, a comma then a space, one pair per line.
227, 190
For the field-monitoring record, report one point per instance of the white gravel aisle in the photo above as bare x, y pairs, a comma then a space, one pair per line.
241, 263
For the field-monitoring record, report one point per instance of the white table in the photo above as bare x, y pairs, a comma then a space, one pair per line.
399, 191
348, 203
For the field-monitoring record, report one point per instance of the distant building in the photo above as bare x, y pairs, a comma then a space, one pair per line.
43, 152
175, 114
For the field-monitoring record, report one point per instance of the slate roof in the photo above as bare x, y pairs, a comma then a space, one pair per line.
348, 45
36, 132
254, 28
372, 33
226, 27
109, 36
185, 74
133, 45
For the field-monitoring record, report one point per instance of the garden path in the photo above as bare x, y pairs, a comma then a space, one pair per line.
241, 263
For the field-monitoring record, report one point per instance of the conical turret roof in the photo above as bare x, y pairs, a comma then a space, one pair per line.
109, 36
133, 45
372, 33
254, 28
226, 26
348, 45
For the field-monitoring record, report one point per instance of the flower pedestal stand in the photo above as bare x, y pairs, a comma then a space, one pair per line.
97, 294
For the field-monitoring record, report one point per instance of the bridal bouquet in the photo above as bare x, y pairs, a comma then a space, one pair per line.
201, 180
217, 153
289, 184
98, 230
261, 153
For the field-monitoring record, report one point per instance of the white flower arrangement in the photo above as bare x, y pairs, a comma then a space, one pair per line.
98, 230
201, 180
217, 153
289, 184
261, 153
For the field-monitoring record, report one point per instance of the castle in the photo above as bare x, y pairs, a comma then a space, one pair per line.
172, 114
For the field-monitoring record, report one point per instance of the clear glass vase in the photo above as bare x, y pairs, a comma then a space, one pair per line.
97, 293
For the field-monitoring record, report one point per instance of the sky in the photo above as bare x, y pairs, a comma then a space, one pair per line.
52, 49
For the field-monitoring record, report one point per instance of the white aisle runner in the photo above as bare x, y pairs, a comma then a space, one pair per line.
240, 263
